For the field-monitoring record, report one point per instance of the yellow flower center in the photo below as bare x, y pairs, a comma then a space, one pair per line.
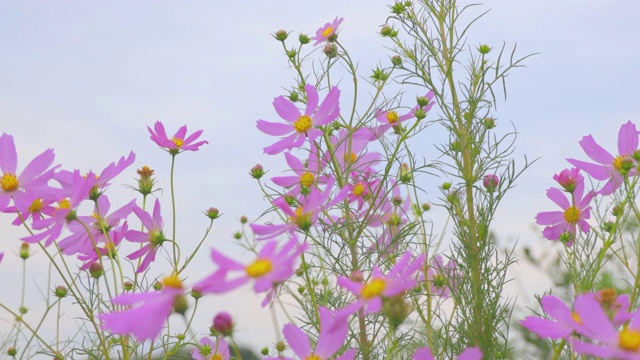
373, 288
259, 268
353, 157
571, 215
302, 124
64, 204
216, 357
172, 281
629, 339
9, 182
327, 31
306, 179
392, 117
358, 189
177, 141
313, 357
576, 317
36, 205
617, 162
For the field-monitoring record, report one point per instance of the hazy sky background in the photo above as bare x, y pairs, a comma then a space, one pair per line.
86, 78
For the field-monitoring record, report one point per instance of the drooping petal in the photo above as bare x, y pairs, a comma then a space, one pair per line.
298, 340
596, 152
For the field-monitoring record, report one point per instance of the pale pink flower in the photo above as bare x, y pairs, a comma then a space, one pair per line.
179, 142
324, 33
152, 239
217, 349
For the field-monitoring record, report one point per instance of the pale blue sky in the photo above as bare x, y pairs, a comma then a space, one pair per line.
86, 78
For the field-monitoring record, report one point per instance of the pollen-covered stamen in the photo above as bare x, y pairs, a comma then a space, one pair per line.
177, 141
629, 339
313, 357
259, 268
9, 182
617, 162
172, 281
156, 237
216, 357
373, 288
392, 117
64, 204
576, 317
327, 31
302, 219
353, 158
36, 206
358, 189
303, 124
572, 214
306, 179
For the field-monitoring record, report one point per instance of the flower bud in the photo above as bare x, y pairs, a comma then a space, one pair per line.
609, 226
60, 291
145, 181
301, 289
617, 210
23, 310
396, 60
446, 186
420, 114
223, 323
636, 155
264, 351
281, 346
489, 123
12, 351
357, 276
157, 286
281, 35
626, 164
128, 286
243, 220
304, 39
565, 238
180, 304
213, 213
291, 53
24, 251
330, 50
237, 235
96, 270
196, 292
396, 310
490, 182
257, 172
396, 200
405, 174
455, 146
426, 206
422, 101
398, 8
291, 200
484, 49
294, 96
386, 30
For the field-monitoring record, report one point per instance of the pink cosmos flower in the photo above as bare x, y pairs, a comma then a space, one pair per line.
179, 142
271, 268
35, 175
562, 224
324, 33
601, 337
153, 238
568, 179
371, 294
391, 118
306, 174
146, 313
350, 150
607, 167
442, 278
424, 353
1, 256
300, 126
35, 205
333, 331
217, 349
304, 216
109, 248
65, 212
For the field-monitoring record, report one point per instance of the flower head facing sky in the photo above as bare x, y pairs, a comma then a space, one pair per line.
177, 143
327, 32
300, 126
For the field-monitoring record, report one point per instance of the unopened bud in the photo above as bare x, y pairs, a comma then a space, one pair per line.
609, 226
128, 286
330, 50
213, 213
301, 289
294, 96
281, 35
280, 346
60, 291
405, 174
157, 286
223, 323
617, 210
180, 304
396, 60
426, 206
145, 181
196, 292
446, 186
23, 310
386, 30
490, 182
304, 39
264, 351
357, 276
423, 101
12, 351
243, 220
24, 251
96, 270
257, 172
489, 123
484, 49
420, 114
237, 235
398, 8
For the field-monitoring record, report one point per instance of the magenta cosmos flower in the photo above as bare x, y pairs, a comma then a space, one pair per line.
307, 174
609, 167
442, 278
146, 313
271, 268
179, 142
391, 118
575, 212
324, 33
35, 175
300, 126
208, 349
370, 294
152, 239
333, 332
424, 353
